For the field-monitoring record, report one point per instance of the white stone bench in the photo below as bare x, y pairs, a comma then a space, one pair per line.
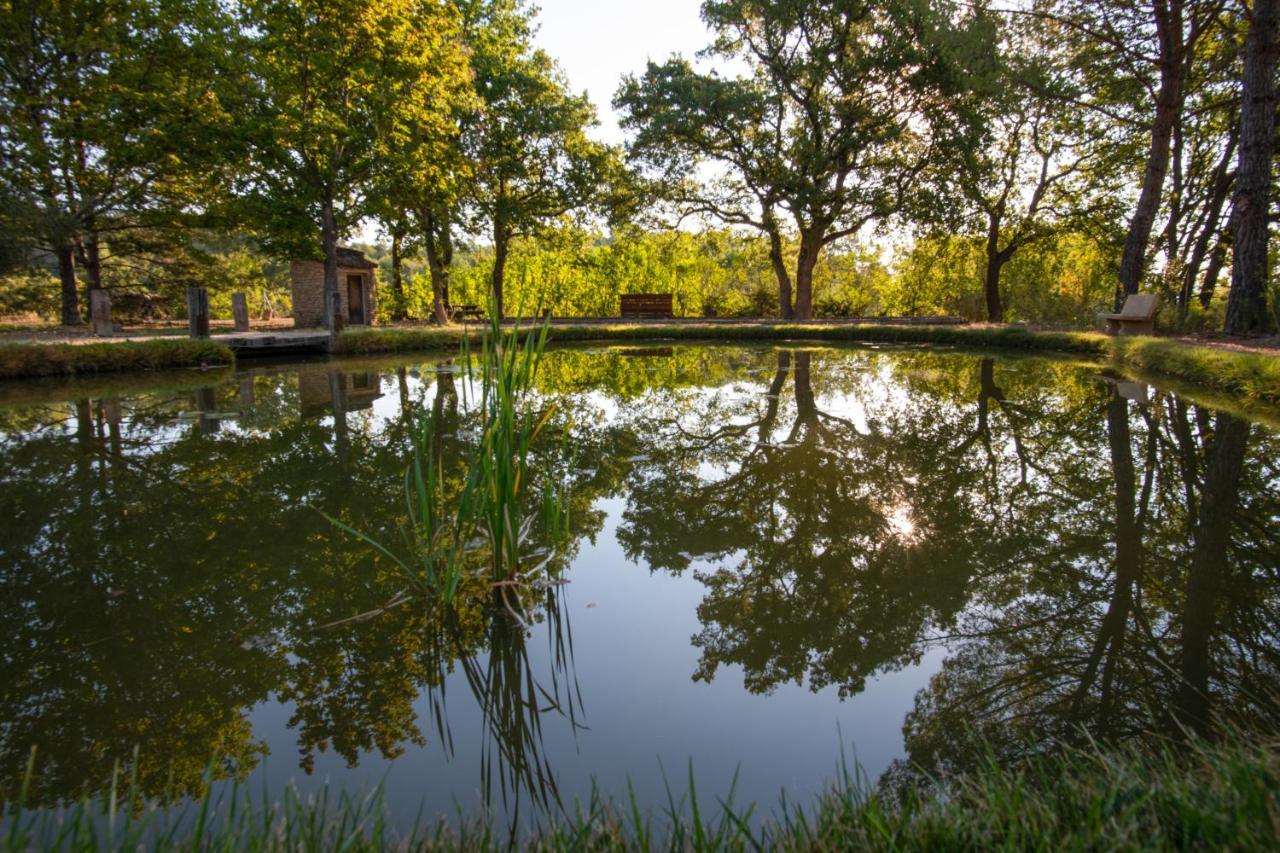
1137, 317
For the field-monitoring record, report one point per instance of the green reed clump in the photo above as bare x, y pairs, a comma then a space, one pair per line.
499, 472
488, 526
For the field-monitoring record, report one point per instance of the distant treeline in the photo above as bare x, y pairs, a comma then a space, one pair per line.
1037, 161
723, 273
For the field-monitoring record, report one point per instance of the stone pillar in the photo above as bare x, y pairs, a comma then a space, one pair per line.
198, 312
100, 312
240, 310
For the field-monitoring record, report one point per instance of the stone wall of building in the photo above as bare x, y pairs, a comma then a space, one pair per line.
307, 280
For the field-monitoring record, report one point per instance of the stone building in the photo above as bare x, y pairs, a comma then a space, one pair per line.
357, 290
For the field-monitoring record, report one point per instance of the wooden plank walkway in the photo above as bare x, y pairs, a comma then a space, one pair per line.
284, 342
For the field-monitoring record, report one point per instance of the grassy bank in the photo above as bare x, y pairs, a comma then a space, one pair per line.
1165, 797
35, 360
401, 339
1251, 375
1245, 374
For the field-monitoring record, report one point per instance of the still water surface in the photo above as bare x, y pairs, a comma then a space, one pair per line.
778, 554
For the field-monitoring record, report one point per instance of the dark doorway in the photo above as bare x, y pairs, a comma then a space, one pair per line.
355, 300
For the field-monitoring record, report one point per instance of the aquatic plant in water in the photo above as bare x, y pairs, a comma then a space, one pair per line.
487, 527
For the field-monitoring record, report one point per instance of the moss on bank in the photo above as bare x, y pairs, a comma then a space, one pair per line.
35, 360
1158, 797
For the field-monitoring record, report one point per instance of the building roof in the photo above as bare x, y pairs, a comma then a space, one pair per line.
353, 258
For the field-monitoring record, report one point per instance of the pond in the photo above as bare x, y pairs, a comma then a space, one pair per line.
781, 558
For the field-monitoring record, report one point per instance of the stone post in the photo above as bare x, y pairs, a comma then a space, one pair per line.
100, 312
240, 310
198, 312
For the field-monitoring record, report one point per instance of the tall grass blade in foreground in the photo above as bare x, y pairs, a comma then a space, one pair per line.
1155, 796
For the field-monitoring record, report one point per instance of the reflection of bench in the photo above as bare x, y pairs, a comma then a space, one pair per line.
466, 312
656, 305
1137, 317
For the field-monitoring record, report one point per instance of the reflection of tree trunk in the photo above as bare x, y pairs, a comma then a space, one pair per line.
403, 382
246, 393
338, 400
1186, 457
806, 408
207, 405
445, 403
774, 395
445, 392
111, 412
84, 435
987, 391
1224, 461
1109, 645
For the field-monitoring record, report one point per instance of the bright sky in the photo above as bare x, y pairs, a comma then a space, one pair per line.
598, 41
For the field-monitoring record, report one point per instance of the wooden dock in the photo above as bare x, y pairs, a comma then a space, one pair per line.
269, 344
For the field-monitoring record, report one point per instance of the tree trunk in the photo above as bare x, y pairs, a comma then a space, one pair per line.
397, 278
996, 260
501, 242
785, 308
90, 258
1224, 463
806, 260
439, 245
1217, 260
70, 294
1205, 240
329, 243
1247, 303
1168, 106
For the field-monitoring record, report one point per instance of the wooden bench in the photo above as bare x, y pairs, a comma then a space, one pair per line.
465, 312
1137, 317
651, 305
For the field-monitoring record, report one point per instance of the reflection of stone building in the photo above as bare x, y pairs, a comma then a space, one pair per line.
357, 291
317, 386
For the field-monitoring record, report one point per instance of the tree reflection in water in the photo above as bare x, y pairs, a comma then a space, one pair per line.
1094, 568
1088, 565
